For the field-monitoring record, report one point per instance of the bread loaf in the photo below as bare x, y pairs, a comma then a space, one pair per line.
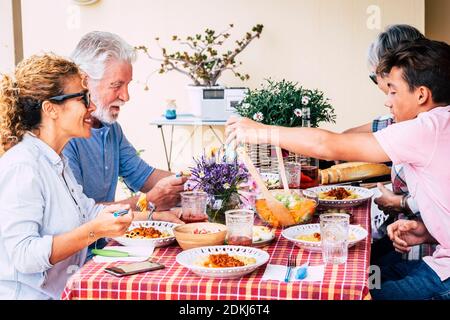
351, 171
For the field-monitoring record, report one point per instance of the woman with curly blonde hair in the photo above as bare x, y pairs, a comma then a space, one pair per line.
46, 222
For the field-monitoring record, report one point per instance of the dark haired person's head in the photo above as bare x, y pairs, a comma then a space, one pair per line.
418, 76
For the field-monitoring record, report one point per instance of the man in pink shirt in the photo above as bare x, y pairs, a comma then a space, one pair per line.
418, 77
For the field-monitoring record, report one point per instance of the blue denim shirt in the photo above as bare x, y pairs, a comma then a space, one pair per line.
40, 199
98, 162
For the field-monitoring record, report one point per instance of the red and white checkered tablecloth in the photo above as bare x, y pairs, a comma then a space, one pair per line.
347, 281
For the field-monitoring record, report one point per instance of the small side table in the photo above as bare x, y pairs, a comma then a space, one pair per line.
184, 120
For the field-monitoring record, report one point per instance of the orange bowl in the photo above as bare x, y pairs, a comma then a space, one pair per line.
200, 234
302, 210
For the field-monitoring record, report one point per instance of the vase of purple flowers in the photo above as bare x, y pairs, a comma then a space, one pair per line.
221, 179
219, 204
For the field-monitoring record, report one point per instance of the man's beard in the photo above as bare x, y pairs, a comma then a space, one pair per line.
104, 114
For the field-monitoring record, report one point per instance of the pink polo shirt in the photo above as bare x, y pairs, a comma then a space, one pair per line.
422, 145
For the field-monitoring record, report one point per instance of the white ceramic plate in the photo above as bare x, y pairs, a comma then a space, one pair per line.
262, 236
157, 242
271, 180
292, 233
363, 195
189, 258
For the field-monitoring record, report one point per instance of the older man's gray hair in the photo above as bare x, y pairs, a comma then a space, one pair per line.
97, 48
390, 39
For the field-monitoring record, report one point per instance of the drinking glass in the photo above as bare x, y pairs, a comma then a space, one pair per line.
240, 227
293, 174
334, 229
309, 173
193, 206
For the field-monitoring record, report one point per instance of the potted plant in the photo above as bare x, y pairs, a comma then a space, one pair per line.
285, 103
203, 64
222, 180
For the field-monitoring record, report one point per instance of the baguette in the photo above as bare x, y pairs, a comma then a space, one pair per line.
351, 171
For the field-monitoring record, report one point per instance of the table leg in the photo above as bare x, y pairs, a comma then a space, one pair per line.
186, 141
165, 147
214, 132
171, 144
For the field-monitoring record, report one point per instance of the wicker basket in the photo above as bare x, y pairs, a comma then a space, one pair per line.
265, 160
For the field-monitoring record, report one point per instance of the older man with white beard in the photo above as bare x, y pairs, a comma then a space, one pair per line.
98, 162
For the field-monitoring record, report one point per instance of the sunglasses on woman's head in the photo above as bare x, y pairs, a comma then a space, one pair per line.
373, 77
86, 97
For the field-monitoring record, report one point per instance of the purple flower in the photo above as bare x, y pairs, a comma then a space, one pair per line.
216, 176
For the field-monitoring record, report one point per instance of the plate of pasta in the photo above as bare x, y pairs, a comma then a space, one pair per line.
222, 261
148, 233
341, 196
307, 236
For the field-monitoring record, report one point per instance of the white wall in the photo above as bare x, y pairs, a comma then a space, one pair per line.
319, 43
6, 37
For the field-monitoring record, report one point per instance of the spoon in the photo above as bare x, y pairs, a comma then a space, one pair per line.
277, 208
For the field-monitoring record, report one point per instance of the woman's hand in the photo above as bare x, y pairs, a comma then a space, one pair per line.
388, 202
407, 233
104, 225
109, 226
244, 130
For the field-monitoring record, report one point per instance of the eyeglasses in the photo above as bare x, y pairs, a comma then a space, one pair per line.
373, 77
85, 94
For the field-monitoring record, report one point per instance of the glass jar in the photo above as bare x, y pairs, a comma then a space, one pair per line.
309, 172
293, 174
171, 110
218, 204
193, 206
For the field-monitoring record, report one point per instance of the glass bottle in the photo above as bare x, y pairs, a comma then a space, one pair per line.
309, 166
171, 110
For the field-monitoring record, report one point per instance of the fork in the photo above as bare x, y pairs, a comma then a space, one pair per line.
292, 262
141, 204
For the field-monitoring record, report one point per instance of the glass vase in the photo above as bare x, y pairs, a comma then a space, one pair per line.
218, 204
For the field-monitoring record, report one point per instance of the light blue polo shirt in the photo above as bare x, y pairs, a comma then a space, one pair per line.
98, 162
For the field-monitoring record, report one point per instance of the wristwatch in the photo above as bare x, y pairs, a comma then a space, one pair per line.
409, 213
151, 209
403, 201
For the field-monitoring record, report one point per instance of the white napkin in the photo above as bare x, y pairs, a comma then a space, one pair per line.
278, 272
139, 254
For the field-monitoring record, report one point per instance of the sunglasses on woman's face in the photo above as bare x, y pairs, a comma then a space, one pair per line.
373, 77
86, 97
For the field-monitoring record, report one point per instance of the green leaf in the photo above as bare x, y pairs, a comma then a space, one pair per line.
278, 100
195, 64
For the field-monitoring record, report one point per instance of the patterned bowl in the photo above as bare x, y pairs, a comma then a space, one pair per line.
357, 233
190, 258
162, 226
363, 194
